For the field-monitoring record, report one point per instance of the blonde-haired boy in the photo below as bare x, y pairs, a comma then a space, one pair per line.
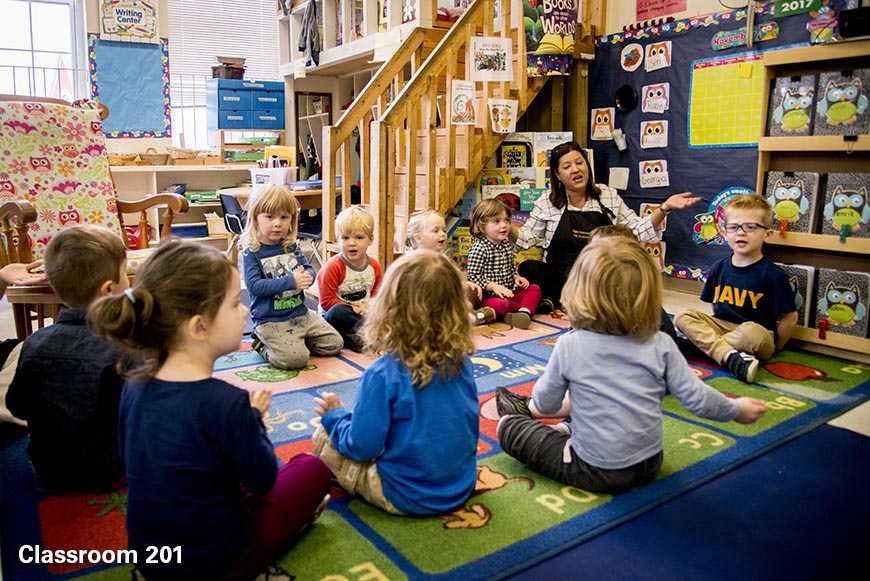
349, 279
72, 411
754, 312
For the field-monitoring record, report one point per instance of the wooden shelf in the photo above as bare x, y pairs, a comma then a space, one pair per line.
820, 143
823, 52
833, 340
822, 242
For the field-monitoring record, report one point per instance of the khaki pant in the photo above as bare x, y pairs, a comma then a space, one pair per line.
358, 478
717, 338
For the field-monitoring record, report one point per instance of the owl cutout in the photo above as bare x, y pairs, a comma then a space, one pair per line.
653, 134
841, 298
602, 124
658, 56
40, 164
847, 210
705, 230
655, 98
656, 250
654, 174
792, 106
842, 305
788, 203
842, 103
647, 209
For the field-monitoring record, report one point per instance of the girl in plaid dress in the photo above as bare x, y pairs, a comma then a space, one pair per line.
491, 266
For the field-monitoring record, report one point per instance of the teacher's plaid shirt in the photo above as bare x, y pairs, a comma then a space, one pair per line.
488, 262
545, 217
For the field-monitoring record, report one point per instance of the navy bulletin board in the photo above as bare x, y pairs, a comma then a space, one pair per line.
132, 80
712, 172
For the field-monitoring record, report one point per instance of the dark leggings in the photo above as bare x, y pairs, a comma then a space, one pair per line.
549, 278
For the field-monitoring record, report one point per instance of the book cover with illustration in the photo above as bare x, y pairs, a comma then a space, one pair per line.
546, 141
842, 103
515, 151
842, 300
845, 212
792, 195
802, 280
792, 106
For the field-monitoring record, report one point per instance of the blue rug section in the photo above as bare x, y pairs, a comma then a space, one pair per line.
798, 512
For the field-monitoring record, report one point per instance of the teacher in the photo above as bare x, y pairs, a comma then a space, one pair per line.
562, 221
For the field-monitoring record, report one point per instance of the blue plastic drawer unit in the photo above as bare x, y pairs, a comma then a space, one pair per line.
242, 104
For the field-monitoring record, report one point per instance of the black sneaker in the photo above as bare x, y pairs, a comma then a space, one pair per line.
510, 404
258, 345
545, 307
741, 365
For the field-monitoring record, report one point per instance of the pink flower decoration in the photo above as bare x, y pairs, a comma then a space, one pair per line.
74, 131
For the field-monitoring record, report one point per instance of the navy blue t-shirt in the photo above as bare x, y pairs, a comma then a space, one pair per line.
759, 292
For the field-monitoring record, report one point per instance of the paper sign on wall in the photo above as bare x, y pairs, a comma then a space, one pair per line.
653, 134
658, 56
654, 173
655, 98
128, 19
491, 59
503, 114
462, 104
602, 123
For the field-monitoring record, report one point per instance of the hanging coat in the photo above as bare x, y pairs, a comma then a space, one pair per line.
309, 37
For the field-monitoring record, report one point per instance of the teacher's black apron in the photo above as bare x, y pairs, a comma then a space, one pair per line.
572, 236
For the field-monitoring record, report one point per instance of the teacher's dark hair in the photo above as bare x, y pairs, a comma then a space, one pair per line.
558, 196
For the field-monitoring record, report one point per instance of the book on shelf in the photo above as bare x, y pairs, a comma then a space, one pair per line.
846, 212
842, 300
842, 103
792, 106
793, 196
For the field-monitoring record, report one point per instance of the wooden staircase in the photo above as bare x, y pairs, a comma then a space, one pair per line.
411, 157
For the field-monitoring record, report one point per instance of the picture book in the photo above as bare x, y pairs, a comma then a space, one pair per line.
842, 103
846, 212
515, 151
792, 195
842, 300
546, 141
792, 106
802, 280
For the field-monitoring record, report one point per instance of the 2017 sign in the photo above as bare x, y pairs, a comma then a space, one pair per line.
792, 7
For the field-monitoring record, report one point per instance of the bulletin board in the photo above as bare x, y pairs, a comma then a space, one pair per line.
703, 128
132, 80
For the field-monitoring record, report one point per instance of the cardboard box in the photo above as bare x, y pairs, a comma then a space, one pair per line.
216, 228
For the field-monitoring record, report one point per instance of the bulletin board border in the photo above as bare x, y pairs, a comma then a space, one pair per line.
93, 41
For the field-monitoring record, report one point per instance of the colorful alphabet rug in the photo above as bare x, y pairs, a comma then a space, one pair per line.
514, 518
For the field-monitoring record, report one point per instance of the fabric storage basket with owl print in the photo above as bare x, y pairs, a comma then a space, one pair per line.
846, 211
843, 301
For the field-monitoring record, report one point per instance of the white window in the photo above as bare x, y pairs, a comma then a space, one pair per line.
43, 48
200, 30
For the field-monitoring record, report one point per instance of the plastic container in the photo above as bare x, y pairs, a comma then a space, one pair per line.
272, 175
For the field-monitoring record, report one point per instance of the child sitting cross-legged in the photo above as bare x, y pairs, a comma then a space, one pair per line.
410, 444
754, 312
66, 386
349, 280
616, 367
286, 333
202, 473
491, 265
427, 229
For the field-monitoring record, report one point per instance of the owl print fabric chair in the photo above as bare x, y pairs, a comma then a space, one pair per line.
54, 172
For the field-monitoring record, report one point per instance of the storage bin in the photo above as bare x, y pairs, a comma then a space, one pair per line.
272, 175
264, 99
234, 99
234, 119
267, 119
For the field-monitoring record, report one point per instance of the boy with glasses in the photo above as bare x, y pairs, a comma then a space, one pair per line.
754, 312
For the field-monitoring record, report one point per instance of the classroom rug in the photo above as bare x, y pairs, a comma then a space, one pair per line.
513, 519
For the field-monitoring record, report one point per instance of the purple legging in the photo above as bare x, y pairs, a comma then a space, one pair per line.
524, 297
282, 513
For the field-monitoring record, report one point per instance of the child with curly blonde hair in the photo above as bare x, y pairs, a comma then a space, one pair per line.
409, 446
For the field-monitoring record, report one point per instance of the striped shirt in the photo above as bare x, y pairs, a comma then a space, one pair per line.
544, 218
488, 262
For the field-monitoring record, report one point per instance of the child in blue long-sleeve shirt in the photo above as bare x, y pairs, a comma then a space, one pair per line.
285, 332
410, 444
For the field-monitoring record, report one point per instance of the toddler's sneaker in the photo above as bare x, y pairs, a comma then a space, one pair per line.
741, 365
257, 345
518, 320
484, 316
545, 307
508, 403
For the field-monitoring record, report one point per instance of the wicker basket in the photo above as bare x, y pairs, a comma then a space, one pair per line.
154, 158
178, 153
118, 159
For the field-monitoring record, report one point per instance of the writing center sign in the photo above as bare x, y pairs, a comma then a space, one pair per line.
128, 20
